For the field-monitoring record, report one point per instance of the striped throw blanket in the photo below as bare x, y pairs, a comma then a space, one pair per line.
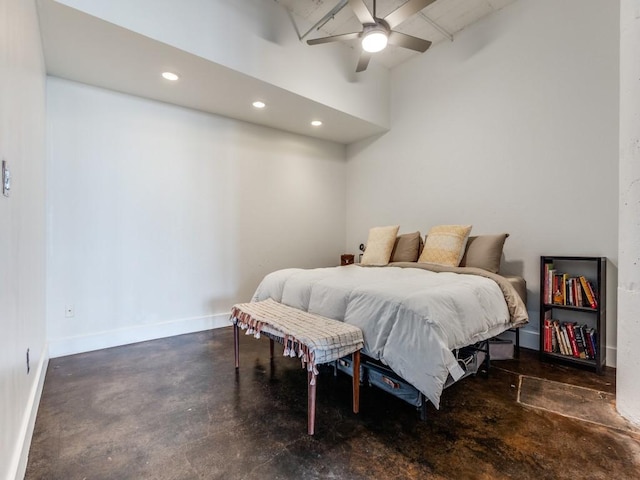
313, 338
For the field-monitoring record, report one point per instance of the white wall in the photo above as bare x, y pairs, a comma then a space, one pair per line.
627, 385
511, 127
161, 218
22, 238
257, 38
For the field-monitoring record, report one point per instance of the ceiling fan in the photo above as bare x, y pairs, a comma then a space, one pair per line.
378, 32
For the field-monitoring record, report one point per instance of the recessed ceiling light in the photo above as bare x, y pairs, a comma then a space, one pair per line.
316, 123
259, 104
170, 76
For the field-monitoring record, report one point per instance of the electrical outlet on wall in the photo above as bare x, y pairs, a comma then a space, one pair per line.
6, 179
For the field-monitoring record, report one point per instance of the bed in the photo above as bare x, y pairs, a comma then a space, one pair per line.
414, 315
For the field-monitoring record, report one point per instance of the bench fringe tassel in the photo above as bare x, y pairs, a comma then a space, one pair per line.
292, 347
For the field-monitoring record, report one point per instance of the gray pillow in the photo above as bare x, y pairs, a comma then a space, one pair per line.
406, 247
484, 251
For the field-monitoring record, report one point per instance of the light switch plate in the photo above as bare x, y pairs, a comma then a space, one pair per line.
6, 179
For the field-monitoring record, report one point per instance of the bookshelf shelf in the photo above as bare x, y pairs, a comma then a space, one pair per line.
570, 307
563, 358
570, 332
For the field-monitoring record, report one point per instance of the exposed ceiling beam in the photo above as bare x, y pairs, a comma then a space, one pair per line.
332, 13
436, 26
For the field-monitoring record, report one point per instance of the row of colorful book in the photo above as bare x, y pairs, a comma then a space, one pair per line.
562, 289
571, 339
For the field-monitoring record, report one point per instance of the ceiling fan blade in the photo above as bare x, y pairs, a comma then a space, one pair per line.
403, 12
407, 41
335, 38
363, 63
361, 11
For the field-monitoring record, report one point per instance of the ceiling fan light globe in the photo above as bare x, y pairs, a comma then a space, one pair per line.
374, 41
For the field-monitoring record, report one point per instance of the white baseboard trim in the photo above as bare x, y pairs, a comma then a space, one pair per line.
612, 357
528, 339
23, 444
60, 347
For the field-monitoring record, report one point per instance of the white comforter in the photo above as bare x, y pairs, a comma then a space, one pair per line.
411, 318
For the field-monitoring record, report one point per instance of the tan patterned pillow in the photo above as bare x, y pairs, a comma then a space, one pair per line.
380, 245
445, 245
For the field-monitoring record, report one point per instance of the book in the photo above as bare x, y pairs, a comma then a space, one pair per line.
588, 291
571, 297
575, 283
550, 283
567, 342
593, 295
547, 286
579, 293
572, 340
546, 333
547, 336
554, 338
585, 334
558, 297
580, 341
592, 340
561, 345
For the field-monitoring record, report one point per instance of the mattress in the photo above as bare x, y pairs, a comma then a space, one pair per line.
412, 316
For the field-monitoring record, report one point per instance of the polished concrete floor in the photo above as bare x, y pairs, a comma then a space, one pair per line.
176, 409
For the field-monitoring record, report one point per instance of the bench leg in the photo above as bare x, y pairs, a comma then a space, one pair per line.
311, 406
356, 381
423, 407
236, 344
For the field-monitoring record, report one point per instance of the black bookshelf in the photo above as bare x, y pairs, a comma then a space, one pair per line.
594, 269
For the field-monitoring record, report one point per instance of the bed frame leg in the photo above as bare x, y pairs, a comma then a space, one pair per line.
236, 344
488, 359
271, 349
517, 343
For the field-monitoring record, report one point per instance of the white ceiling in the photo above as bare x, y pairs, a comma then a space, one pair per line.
437, 22
87, 49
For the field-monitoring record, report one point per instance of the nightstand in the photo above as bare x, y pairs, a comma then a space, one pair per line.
347, 259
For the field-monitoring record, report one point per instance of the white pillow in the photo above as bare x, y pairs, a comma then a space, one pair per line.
380, 245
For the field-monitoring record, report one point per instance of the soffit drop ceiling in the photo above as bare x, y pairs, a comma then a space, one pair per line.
84, 48
87, 49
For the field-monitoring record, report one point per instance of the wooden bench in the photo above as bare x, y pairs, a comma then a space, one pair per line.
312, 338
